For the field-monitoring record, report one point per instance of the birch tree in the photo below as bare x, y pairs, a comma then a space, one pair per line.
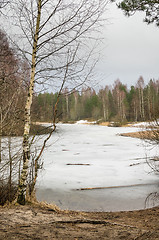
140, 86
57, 38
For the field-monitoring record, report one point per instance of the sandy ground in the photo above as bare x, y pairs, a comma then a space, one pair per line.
31, 222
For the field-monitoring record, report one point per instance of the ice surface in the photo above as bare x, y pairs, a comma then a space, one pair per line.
111, 160
144, 124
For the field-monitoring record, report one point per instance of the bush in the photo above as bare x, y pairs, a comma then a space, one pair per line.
7, 192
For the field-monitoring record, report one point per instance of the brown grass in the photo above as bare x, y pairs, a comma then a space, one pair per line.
149, 135
104, 123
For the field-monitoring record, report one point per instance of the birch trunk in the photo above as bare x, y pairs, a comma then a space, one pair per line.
67, 109
142, 104
149, 103
104, 108
76, 101
10, 167
26, 149
1, 137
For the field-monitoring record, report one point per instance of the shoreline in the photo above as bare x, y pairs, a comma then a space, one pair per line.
40, 221
45, 222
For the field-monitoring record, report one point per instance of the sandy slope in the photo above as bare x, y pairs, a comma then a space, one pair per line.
30, 222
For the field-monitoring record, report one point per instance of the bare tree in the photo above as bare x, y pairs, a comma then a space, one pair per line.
12, 95
12, 90
140, 86
3, 3
57, 41
151, 135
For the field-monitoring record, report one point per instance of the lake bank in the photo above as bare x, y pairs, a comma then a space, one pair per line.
33, 222
38, 223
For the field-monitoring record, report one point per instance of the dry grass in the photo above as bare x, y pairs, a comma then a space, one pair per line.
45, 205
104, 123
149, 135
7, 192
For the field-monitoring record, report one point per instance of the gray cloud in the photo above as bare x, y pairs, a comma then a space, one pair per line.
132, 48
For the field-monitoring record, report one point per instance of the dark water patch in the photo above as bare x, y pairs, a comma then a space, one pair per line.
78, 164
117, 199
107, 145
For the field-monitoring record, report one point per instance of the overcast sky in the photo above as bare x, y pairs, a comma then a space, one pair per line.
131, 48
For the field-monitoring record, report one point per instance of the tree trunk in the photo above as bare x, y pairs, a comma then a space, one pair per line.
10, 168
149, 103
67, 109
104, 108
26, 149
1, 138
142, 104
76, 101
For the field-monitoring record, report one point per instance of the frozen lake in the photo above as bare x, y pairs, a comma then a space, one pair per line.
92, 156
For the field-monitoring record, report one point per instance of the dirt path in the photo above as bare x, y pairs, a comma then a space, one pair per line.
37, 223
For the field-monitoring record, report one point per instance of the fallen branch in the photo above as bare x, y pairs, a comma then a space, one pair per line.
96, 222
124, 186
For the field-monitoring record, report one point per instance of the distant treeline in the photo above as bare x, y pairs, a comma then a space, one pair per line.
112, 103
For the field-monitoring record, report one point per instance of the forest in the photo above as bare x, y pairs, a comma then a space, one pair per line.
115, 103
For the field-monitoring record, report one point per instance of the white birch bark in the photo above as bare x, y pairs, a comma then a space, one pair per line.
26, 149
0, 136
